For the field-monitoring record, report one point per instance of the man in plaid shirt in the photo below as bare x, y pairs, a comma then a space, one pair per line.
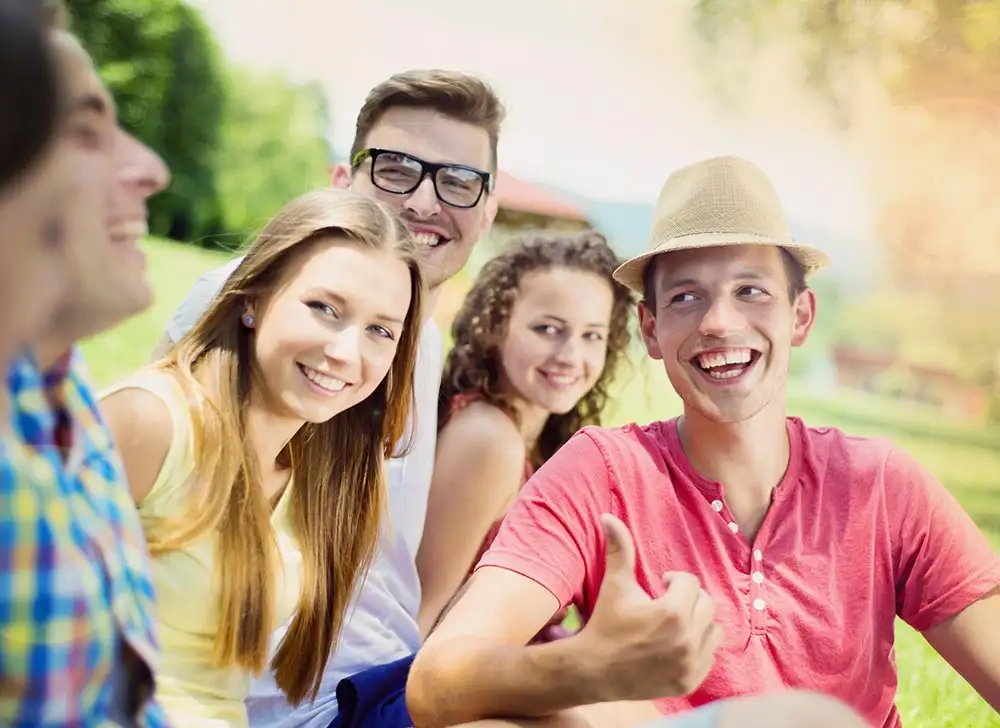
77, 640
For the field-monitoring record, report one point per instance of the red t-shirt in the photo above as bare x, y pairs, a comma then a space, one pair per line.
857, 534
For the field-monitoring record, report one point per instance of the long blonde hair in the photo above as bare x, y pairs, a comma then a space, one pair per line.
339, 496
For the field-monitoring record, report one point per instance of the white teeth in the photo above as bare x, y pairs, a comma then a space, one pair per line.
722, 358
330, 384
426, 239
560, 380
137, 229
726, 375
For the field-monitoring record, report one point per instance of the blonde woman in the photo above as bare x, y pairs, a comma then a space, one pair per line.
255, 451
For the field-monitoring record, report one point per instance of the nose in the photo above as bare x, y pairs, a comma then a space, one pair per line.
140, 167
345, 350
570, 352
721, 319
423, 201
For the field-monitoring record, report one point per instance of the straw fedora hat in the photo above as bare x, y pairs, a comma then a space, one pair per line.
715, 202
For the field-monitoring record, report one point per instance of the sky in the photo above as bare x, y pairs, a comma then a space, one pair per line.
600, 101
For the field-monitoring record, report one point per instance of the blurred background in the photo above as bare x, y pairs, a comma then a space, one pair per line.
877, 120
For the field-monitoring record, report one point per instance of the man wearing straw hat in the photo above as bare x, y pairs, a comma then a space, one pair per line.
800, 545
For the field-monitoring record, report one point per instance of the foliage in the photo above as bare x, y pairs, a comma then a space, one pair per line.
273, 147
239, 144
915, 84
161, 63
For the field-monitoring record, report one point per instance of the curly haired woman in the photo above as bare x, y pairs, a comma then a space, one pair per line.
537, 342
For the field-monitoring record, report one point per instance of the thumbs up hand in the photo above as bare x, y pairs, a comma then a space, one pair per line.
645, 647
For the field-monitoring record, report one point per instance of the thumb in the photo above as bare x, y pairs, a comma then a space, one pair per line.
620, 549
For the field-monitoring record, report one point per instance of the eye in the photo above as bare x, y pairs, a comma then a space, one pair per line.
752, 291
682, 298
86, 134
545, 330
323, 308
382, 331
593, 336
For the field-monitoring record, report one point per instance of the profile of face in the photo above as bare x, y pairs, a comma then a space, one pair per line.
34, 274
556, 342
445, 234
105, 222
326, 337
724, 326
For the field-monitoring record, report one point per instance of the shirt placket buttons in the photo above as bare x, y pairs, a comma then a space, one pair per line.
757, 576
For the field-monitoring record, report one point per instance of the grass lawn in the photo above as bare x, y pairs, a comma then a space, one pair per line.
966, 460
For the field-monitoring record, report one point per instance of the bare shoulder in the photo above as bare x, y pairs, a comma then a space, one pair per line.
485, 431
142, 427
135, 410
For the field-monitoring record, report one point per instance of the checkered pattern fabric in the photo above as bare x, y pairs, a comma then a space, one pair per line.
74, 577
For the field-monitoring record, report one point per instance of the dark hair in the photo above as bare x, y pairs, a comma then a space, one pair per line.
473, 364
460, 96
29, 87
795, 272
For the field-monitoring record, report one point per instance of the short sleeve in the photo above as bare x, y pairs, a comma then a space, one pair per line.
552, 533
942, 562
196, 301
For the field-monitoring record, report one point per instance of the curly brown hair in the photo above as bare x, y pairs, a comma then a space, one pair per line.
479, 328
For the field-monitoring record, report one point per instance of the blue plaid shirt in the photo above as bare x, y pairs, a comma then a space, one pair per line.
76, 600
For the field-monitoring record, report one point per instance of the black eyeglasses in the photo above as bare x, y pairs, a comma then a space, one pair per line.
454, 184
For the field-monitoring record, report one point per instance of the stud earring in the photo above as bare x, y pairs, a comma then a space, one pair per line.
248, 320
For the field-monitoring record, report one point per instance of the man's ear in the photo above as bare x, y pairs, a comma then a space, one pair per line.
340, 178
803, 316
647, 328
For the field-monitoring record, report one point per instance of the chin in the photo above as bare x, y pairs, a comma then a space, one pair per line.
558, 405
140, 298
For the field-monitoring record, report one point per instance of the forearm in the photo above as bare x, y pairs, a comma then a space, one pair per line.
459, 681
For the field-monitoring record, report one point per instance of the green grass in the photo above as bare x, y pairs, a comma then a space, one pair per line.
965, 459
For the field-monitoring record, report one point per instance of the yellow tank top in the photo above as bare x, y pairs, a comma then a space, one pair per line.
194, 693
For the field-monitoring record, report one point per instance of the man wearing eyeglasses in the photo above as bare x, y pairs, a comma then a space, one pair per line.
426, 145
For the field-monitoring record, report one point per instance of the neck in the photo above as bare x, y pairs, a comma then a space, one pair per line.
431, 301
51, 349
748, 458
532, 421
268, 435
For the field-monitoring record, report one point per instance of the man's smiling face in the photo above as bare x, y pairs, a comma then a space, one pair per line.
724, 323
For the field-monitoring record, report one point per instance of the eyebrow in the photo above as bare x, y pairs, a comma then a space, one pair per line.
564, 322
90, 102
339, 299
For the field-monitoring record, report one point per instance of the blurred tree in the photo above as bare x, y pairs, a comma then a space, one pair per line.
273, 149
165, 71
917, 83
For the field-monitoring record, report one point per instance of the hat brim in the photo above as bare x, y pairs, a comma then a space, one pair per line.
631, 273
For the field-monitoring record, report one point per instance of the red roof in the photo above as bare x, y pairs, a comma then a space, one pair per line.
520, 196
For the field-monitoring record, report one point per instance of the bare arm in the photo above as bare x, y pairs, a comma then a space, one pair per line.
970, 642
142, 429
475, 664
477, 471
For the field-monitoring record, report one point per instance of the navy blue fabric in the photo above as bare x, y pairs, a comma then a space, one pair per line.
375, 698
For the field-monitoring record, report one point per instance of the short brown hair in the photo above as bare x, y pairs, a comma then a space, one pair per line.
458, 95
